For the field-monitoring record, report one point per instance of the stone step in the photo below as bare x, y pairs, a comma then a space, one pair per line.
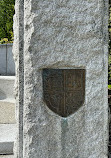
7, 138
7, 111
7, 87
6, 156
7, 102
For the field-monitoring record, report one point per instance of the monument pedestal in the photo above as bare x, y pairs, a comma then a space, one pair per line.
56, 120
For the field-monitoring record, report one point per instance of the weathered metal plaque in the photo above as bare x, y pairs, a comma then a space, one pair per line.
64, 90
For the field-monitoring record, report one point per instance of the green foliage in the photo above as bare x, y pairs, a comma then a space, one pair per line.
5, 41
109, 86
6, 19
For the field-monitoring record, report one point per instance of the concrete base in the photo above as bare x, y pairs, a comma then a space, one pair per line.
6, 156
6, 147
7, 102
7, 111
7, 87
7, 138
7, 65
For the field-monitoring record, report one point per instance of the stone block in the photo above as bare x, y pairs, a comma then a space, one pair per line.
56, 34
7, 156
7, 65
7, 87
10, 61
7, 112
7, 101
3, 59
7, 138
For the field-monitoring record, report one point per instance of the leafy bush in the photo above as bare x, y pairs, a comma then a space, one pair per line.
6, 20
5, 41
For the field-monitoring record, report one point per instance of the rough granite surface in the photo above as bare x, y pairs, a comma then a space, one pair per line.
18, 52
61, 34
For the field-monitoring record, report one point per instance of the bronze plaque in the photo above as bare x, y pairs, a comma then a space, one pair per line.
64, 90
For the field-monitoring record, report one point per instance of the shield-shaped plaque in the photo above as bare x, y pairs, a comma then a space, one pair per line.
64, 90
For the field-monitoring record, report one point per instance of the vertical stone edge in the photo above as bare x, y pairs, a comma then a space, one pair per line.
28, 78
105, 82
18, 52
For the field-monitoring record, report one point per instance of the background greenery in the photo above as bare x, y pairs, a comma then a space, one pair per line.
6, 20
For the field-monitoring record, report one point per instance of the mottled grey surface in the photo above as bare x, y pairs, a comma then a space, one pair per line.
61, 34
7, 138
6, 156
10, 61
18, 48
2, 60
7, 66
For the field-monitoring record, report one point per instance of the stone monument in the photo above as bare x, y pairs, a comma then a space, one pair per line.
61, 56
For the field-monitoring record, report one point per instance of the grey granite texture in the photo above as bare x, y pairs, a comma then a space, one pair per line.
61, 34
18, 47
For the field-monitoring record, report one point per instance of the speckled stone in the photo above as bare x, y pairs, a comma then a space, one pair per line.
61, 34
6, 156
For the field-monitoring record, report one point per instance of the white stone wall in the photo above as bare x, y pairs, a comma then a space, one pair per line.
7, 65
62, 34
